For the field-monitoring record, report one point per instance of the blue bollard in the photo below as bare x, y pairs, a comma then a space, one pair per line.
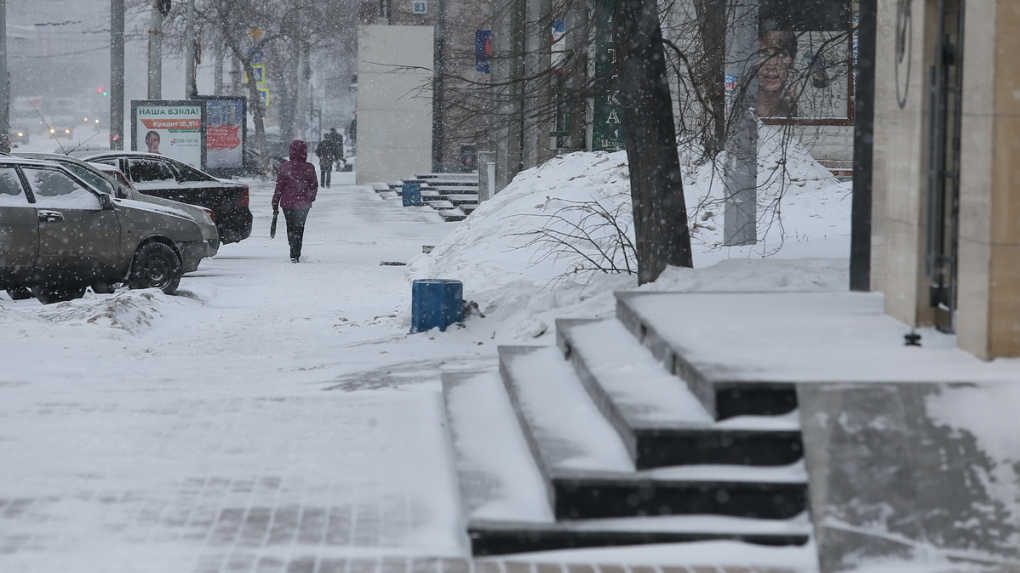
411, 194
436, 302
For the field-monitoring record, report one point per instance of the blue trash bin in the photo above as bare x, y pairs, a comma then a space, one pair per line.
411, 194
436, 302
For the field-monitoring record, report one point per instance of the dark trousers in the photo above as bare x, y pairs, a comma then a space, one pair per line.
295, 229
326, 171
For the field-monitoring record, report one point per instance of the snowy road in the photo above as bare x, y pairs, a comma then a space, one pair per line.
224, 429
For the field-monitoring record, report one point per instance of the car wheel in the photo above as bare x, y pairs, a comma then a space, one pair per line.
156, 266
49, 294
19, 293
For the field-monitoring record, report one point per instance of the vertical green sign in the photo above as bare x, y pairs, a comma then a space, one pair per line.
607, 127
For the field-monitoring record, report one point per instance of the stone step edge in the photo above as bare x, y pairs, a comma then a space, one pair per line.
508, 538
800, 524
452, 382
500, 539
631, 429
572, 351
703, 387
553, 473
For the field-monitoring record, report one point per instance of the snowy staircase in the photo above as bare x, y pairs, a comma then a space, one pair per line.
593, 443
453, 195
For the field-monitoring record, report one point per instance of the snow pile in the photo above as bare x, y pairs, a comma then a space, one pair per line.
130, 310
527, 255
493, 251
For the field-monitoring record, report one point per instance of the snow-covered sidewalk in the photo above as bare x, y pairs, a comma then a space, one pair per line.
273, 417
141, 432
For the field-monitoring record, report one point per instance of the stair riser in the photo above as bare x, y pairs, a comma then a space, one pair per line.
662, 449
758, 400
507, 542
590, 500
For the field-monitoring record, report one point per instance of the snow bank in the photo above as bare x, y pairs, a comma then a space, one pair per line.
524, 259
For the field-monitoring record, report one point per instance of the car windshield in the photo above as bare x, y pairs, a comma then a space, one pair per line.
144, 170
10, 187
91, 177
55, 188
186, 173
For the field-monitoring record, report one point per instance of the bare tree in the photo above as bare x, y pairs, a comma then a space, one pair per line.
286, 29
662, 237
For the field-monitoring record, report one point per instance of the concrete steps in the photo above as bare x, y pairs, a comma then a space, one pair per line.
660, 420
453, 195
593, 443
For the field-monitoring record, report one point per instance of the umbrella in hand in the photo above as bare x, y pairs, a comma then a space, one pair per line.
272, 228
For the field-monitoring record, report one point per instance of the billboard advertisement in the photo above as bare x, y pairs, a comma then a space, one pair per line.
225, 134
171, 128
805, 68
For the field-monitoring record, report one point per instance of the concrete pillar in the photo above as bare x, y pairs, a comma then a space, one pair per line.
538, 92
507, 71
900, 159
988, 317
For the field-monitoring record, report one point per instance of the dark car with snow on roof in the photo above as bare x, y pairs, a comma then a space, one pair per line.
162, 176
59, 236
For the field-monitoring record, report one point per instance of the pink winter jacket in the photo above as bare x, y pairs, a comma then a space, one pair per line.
297, 183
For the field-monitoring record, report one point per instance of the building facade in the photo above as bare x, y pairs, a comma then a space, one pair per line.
946, 210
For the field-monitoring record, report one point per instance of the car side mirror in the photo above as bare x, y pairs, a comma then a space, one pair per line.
106, 201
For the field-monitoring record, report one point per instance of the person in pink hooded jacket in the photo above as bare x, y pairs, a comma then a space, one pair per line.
296, 186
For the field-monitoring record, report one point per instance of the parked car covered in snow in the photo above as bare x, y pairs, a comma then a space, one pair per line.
112, 181
161, 176
59, 235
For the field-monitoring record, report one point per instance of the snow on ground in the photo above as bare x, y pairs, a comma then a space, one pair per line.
131, 423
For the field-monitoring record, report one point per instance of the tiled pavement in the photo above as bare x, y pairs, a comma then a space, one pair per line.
209, 488
211, 491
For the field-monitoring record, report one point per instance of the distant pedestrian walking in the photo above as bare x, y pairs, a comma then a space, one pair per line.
324, 150
296, 188
336, 142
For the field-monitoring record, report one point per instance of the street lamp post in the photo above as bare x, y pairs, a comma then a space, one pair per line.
190, 89
5, 86
160, 8
116, 74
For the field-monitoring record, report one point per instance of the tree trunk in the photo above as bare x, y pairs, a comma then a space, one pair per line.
258, 112
712, 29
662, 237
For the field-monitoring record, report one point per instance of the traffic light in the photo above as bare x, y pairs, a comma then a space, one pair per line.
102, 91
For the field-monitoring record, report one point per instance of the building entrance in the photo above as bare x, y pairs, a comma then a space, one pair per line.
943, 200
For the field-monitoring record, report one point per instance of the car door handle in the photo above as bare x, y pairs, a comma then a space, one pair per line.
50, 216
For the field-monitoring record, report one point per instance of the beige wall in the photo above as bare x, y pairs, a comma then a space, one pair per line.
988, 300
899, 168
394, 102
989, 275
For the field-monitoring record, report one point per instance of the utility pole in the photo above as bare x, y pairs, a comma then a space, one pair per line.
864, 130
5, 84
741, 172
116, 74
160, 8
190, 89
218, 69
299, 115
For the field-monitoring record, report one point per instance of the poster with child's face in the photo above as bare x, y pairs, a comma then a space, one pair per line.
804, 67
